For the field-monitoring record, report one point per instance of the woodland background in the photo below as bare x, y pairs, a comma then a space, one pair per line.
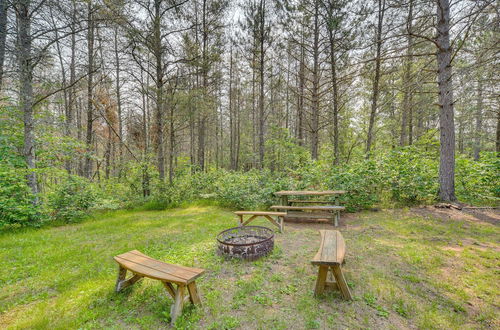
152, 103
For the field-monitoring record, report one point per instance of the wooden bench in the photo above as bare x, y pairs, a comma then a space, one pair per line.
143, 266
330, 256
277, 221
329, 209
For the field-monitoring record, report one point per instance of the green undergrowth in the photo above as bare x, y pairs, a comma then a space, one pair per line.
404, 270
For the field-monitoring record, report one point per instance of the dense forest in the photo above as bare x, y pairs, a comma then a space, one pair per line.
113, 103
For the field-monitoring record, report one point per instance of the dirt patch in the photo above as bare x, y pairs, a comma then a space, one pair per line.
491, 216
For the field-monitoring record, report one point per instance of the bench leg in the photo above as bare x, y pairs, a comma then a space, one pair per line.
321, 280
121, 282
122, 273
170, 289
281, 221
178, 304
341, 282
193, 294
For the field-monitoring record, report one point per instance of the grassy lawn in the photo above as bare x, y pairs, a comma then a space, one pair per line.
405, 271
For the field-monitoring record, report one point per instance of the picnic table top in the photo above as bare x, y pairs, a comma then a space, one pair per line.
309, 193
312, 208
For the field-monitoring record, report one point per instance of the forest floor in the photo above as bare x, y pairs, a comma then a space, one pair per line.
407, 268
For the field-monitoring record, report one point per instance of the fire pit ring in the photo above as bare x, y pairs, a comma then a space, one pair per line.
246, 242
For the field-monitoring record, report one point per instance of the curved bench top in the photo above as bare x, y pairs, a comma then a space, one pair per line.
331, 249
143, 265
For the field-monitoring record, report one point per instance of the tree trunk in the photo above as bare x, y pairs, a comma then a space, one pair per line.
333, 65
300, 97
497, 143
407, 113
72, 90
261, 82
315, 87
479, 119
26, 91
232, 121
118, 103
171, 146
159, 90
446, 112
3, 36
376, 78
90, 83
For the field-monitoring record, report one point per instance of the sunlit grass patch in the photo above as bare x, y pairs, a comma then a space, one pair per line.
404, 271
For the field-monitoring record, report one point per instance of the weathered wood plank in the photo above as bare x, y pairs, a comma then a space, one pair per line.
309, 208
193, 293
178, 303
341, 282
321, 280
260, 213
143, 265
332, 249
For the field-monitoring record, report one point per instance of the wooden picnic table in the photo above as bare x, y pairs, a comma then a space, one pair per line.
286, 203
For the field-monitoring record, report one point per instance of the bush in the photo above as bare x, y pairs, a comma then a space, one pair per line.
478, 181
16, 199
245, 190
72, 199
362, 182
410, 175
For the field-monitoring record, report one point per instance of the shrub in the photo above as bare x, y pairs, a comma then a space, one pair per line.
245, 190
362, 182
72, 199
16, 199
478, 181
409, 175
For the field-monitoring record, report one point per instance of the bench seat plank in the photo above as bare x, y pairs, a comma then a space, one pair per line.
332, 249
309, 208
278, 214
143, 265
309, 201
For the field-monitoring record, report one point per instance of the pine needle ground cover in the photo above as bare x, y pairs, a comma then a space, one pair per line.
406, 269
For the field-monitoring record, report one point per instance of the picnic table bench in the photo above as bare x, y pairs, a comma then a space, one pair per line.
276, 218
330, 257
142, 265
311, 211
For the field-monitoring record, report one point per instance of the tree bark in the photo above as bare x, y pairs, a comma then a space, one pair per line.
118, 102
407, 113
24, 43
159, 90
90, 83
333, 65
232, 121
70, 115
479, 119
300, 97
315, 87
376, 78
3, 36
262, 37
446, 112
497, 143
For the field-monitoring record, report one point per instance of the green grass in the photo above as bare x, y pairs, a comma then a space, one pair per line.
405, 271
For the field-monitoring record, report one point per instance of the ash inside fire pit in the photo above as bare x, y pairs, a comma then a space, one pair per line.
248, 242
